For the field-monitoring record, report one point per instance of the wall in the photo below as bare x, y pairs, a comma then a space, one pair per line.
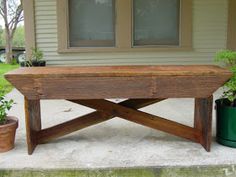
209, 36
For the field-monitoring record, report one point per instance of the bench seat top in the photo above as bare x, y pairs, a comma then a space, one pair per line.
118, 81
120, 71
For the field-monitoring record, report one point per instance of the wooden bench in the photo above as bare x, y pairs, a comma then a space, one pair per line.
141, 85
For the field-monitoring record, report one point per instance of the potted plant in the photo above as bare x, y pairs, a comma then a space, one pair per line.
8, 126
226, 106
35, 60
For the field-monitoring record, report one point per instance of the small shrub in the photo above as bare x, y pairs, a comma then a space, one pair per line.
37, 54
228, 57
14, 61
5, 106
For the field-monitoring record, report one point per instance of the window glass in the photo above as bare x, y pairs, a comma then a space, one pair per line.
91, 23
156, 22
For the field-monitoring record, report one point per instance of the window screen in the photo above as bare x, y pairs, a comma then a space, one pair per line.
156, 22
91, 23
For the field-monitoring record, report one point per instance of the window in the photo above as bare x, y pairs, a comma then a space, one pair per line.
124, 25
91, 23
156, 22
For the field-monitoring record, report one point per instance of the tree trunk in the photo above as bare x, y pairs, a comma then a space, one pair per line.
8, 48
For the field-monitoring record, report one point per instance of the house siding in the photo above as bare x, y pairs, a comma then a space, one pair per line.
209, 36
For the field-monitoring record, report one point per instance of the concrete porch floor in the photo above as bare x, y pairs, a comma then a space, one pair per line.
113, 144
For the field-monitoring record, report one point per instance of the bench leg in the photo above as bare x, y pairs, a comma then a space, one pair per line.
32, 122
203, 120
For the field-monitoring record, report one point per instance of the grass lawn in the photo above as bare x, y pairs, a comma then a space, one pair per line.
5, 86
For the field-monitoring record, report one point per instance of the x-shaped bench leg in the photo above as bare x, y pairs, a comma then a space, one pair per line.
90, 119
200, 133
143, 118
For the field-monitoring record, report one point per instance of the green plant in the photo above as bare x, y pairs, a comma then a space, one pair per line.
5, 106
27, 63
228, 57
5, 86
37, 54
14, 61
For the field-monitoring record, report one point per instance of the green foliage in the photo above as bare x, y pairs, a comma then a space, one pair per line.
5, 106
35, 58
37, 54
2, 39
18, 39
228, 57
14, 61
5, 86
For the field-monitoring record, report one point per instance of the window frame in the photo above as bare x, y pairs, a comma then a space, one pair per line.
124, 30
231, 34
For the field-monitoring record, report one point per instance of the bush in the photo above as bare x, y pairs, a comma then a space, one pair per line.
4, 107
228, 57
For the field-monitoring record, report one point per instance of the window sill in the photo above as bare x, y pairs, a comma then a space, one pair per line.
116, 49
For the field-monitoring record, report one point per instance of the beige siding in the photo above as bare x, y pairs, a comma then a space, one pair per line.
209, 36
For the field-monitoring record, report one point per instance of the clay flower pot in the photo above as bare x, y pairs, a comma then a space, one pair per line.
7, 134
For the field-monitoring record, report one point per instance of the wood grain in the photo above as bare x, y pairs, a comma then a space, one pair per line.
203, 120
118, 82
33, 123
119, 71
119, 87
142, 85
143, 118
88, 120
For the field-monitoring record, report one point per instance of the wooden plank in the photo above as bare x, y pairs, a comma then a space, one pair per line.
139, 103
92, 87
119, 87
119, 71
145, 119
118, 82
33, 123
187, 87
88, 120
68, 127
203, 120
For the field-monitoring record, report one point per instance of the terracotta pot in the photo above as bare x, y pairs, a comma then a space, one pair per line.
7, 134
